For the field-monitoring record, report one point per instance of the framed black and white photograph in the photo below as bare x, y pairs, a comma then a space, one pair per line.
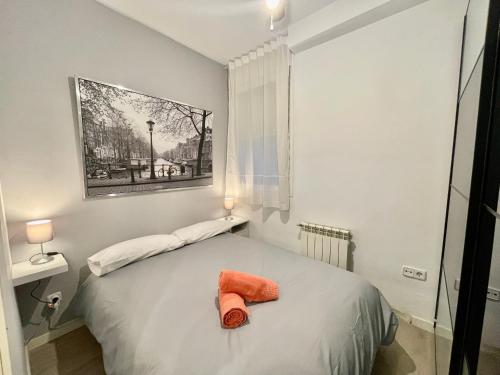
137, 143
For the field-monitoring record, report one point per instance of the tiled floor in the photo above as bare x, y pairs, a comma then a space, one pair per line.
77, 353
412, 352
489, 359
489, 363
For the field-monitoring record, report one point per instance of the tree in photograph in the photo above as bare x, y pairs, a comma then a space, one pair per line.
180, 119
98, 99
139, 146
98, 112
106, 126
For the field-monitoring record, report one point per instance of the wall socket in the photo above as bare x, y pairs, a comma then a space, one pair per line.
493, 294
414, 273
54, 300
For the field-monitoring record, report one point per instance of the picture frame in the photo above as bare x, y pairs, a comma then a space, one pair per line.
136, 143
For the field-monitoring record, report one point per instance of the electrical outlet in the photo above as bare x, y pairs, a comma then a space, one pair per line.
408, 272
54, 300
493, 294
414, 273
420, 275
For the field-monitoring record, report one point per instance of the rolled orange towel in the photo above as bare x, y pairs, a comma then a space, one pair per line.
251, 287
233, 312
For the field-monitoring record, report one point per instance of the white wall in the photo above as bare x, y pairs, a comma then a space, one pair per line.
43, 44
342, 17
374, 116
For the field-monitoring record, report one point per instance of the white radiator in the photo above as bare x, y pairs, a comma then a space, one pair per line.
325, 243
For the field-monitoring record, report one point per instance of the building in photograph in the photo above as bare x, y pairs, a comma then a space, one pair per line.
188, 151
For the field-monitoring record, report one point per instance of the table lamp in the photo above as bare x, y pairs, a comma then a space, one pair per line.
229, 205
40, 231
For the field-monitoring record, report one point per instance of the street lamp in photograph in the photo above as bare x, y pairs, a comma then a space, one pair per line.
150, 123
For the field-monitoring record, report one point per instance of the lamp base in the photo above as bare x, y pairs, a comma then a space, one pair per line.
40, 258
229, 218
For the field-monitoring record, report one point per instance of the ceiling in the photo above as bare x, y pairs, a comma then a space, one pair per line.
218, 29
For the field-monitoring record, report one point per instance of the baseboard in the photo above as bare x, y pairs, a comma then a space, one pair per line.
416, 321
425, 324
444, 332
55, 333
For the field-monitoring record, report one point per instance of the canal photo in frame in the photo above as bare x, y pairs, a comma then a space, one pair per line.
137, 143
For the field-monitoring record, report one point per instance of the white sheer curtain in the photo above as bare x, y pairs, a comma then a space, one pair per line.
258, 147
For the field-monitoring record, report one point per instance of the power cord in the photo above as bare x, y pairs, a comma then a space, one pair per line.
35, 297
49, 304
50, 254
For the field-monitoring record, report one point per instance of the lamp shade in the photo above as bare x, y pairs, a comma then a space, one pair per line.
272, 4
228, 203
39, 231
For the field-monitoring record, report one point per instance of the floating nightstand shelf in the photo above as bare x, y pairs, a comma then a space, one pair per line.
235, 220
25, 272
239, 225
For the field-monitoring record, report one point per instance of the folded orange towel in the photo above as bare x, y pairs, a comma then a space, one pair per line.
233, 312
251, 287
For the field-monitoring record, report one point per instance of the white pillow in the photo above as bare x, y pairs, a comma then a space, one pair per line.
202, 231
123, 253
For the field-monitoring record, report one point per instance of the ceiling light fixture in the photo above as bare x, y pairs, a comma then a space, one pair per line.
272, 5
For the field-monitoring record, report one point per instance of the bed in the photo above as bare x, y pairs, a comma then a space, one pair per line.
160, 315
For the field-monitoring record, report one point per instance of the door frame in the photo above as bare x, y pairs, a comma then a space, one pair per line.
14, 356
